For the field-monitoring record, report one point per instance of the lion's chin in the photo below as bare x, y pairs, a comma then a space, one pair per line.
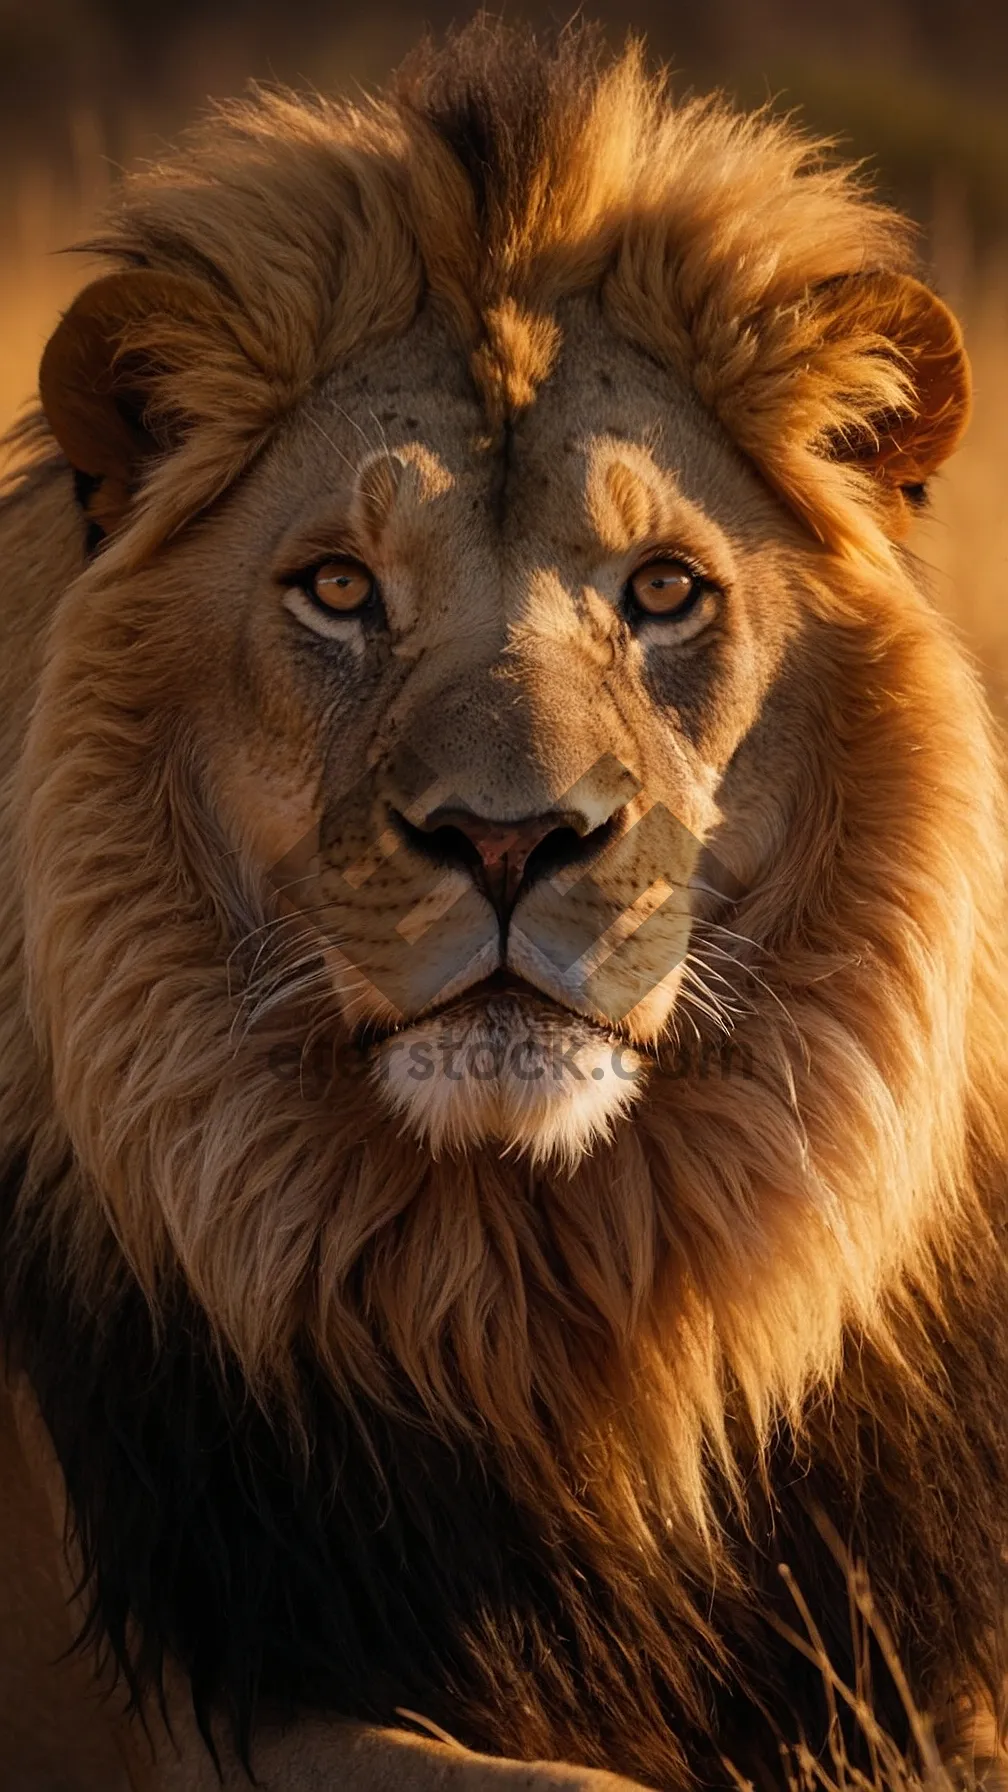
527, 1077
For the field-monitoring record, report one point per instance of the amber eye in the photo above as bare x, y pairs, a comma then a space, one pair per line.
340, 585
666, 588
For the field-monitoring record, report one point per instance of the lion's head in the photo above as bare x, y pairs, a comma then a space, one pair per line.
510, 863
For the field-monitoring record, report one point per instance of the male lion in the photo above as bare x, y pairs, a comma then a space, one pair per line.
504, 904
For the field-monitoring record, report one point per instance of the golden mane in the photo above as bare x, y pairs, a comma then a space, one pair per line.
496, 180
691, 1285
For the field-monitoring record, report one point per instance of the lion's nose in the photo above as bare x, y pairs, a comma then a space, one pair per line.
504, 857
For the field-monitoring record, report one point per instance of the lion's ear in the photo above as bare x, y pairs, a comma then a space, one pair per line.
907, 443
97, 381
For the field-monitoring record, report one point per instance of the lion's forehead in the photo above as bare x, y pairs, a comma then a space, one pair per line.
534, 483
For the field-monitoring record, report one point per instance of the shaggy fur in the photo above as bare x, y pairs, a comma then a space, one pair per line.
521, 1447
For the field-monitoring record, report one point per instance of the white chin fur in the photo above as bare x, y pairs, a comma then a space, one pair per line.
549, 1085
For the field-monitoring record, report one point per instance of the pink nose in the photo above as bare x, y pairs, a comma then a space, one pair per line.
502, 848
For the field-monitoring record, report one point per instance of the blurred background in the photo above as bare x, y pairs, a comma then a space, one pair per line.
918, 88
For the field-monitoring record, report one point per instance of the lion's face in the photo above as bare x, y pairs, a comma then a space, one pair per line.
467, 701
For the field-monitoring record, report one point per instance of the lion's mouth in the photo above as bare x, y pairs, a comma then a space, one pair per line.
504, 1062
501, 985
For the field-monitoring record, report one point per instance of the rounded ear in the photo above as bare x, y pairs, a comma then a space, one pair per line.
905, 446
96, 383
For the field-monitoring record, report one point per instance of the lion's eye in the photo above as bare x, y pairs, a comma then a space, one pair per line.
335, 598
664, 587
672, 592
342, 585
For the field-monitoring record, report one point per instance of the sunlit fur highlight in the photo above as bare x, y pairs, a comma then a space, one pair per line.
611, 1328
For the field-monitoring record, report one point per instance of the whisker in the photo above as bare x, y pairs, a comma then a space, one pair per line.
697, 994
376, 420
748, 970
354, 424
327, 438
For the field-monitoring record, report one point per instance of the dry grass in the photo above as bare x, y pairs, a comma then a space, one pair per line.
881, 1766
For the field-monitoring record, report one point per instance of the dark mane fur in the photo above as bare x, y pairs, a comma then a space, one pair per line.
386, 1567
494, 98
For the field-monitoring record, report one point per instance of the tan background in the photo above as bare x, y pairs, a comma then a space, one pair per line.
918, 87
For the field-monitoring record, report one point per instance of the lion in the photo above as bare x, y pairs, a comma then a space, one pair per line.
504, 1050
